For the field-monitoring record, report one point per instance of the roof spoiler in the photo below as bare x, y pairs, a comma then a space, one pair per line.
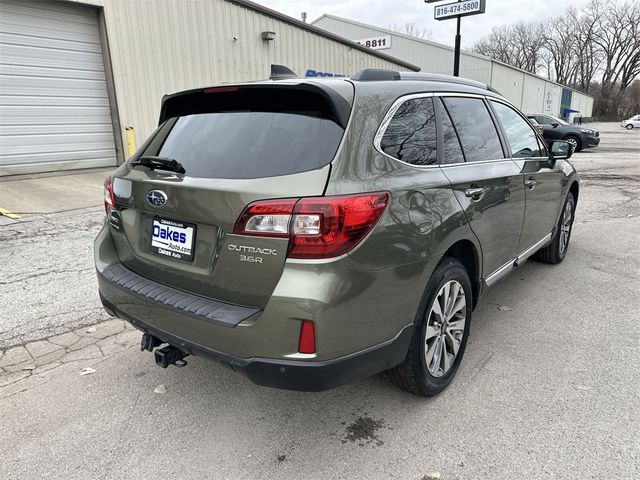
280, 72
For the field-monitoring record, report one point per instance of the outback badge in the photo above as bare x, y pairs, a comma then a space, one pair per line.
157, 198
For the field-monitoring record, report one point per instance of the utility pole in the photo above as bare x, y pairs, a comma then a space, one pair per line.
457, 10
456, 54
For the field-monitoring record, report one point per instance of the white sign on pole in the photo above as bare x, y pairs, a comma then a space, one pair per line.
459, 9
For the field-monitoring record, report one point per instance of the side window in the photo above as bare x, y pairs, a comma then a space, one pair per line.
475, 128
521, 136
451, 149
411, 134
543, 120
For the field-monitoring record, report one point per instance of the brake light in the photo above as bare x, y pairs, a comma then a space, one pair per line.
221, 90
317, 227
307, 341
109, 199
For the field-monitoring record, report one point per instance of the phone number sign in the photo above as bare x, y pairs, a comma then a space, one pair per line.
459, 9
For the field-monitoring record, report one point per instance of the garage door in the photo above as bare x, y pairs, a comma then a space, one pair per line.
54, 108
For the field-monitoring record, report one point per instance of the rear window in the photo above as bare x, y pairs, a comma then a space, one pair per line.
251, 135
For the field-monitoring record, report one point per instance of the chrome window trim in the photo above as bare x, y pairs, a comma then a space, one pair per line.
462, 164
386, 120
377, 139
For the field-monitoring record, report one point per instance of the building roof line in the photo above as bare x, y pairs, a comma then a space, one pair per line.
441, 45
324, 33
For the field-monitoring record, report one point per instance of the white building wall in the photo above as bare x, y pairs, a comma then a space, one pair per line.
552, 99
508, 82
525, 90
159, 47
532, 94
473, 67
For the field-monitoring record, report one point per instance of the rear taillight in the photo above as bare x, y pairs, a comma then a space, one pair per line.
317, 227
266, 219
109, 199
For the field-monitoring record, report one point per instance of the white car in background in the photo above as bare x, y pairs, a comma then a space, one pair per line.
631, 122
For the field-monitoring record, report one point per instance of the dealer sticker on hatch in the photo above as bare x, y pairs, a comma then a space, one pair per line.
173, 239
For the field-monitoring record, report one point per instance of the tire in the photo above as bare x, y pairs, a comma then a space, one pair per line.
574, 141
416, 375
556, 251
629, 127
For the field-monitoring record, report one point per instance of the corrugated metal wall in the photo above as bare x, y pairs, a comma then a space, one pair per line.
528, 92
159, 47
532, 94
508, 82
54, 108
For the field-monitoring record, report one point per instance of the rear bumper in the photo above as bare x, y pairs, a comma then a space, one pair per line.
290, 374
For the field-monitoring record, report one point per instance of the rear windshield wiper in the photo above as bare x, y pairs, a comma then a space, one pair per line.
159, 163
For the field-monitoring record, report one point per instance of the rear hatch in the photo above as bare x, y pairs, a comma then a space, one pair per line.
237, 145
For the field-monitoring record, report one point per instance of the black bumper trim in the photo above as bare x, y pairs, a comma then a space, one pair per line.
310, 376
220, 313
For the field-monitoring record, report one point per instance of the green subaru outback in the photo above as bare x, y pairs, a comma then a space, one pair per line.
310, 233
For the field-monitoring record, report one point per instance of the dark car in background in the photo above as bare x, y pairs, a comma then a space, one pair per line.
557, 129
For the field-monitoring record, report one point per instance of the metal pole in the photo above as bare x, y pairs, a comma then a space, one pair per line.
456, 55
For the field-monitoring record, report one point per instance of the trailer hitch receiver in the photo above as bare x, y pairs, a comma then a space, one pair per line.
170, 355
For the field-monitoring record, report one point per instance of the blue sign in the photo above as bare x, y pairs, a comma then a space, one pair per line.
314, 73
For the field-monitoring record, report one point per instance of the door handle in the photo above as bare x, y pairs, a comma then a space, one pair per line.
530, 183
474, 193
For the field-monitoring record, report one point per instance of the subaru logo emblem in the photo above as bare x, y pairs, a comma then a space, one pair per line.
157, 198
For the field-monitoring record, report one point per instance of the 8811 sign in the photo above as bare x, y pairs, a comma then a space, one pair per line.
376, 43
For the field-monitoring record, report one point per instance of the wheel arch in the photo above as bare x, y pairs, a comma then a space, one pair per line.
466, 253
575, 190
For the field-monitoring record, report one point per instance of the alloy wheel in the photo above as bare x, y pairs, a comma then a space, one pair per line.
445, 328
565, 227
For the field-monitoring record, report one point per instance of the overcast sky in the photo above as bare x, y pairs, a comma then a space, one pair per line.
383, 13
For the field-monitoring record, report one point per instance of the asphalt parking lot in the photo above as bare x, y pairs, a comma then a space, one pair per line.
549, 386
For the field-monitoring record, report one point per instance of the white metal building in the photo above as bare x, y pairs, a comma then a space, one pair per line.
75, 73
530, 93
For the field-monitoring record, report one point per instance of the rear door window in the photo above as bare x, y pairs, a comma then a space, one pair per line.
411, 134
476, 130
451, 149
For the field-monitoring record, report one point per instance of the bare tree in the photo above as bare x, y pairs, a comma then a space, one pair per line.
595, 49
618, 36
411, 29
560, 43
518, 45
588, 53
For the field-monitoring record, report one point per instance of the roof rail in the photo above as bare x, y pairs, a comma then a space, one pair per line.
378, 74
375, 75
437, 77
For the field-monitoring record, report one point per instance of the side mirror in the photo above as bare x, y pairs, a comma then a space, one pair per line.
561, 150
555, 125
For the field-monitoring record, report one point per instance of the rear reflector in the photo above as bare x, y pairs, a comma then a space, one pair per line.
109, 200
307, 342
317, 227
